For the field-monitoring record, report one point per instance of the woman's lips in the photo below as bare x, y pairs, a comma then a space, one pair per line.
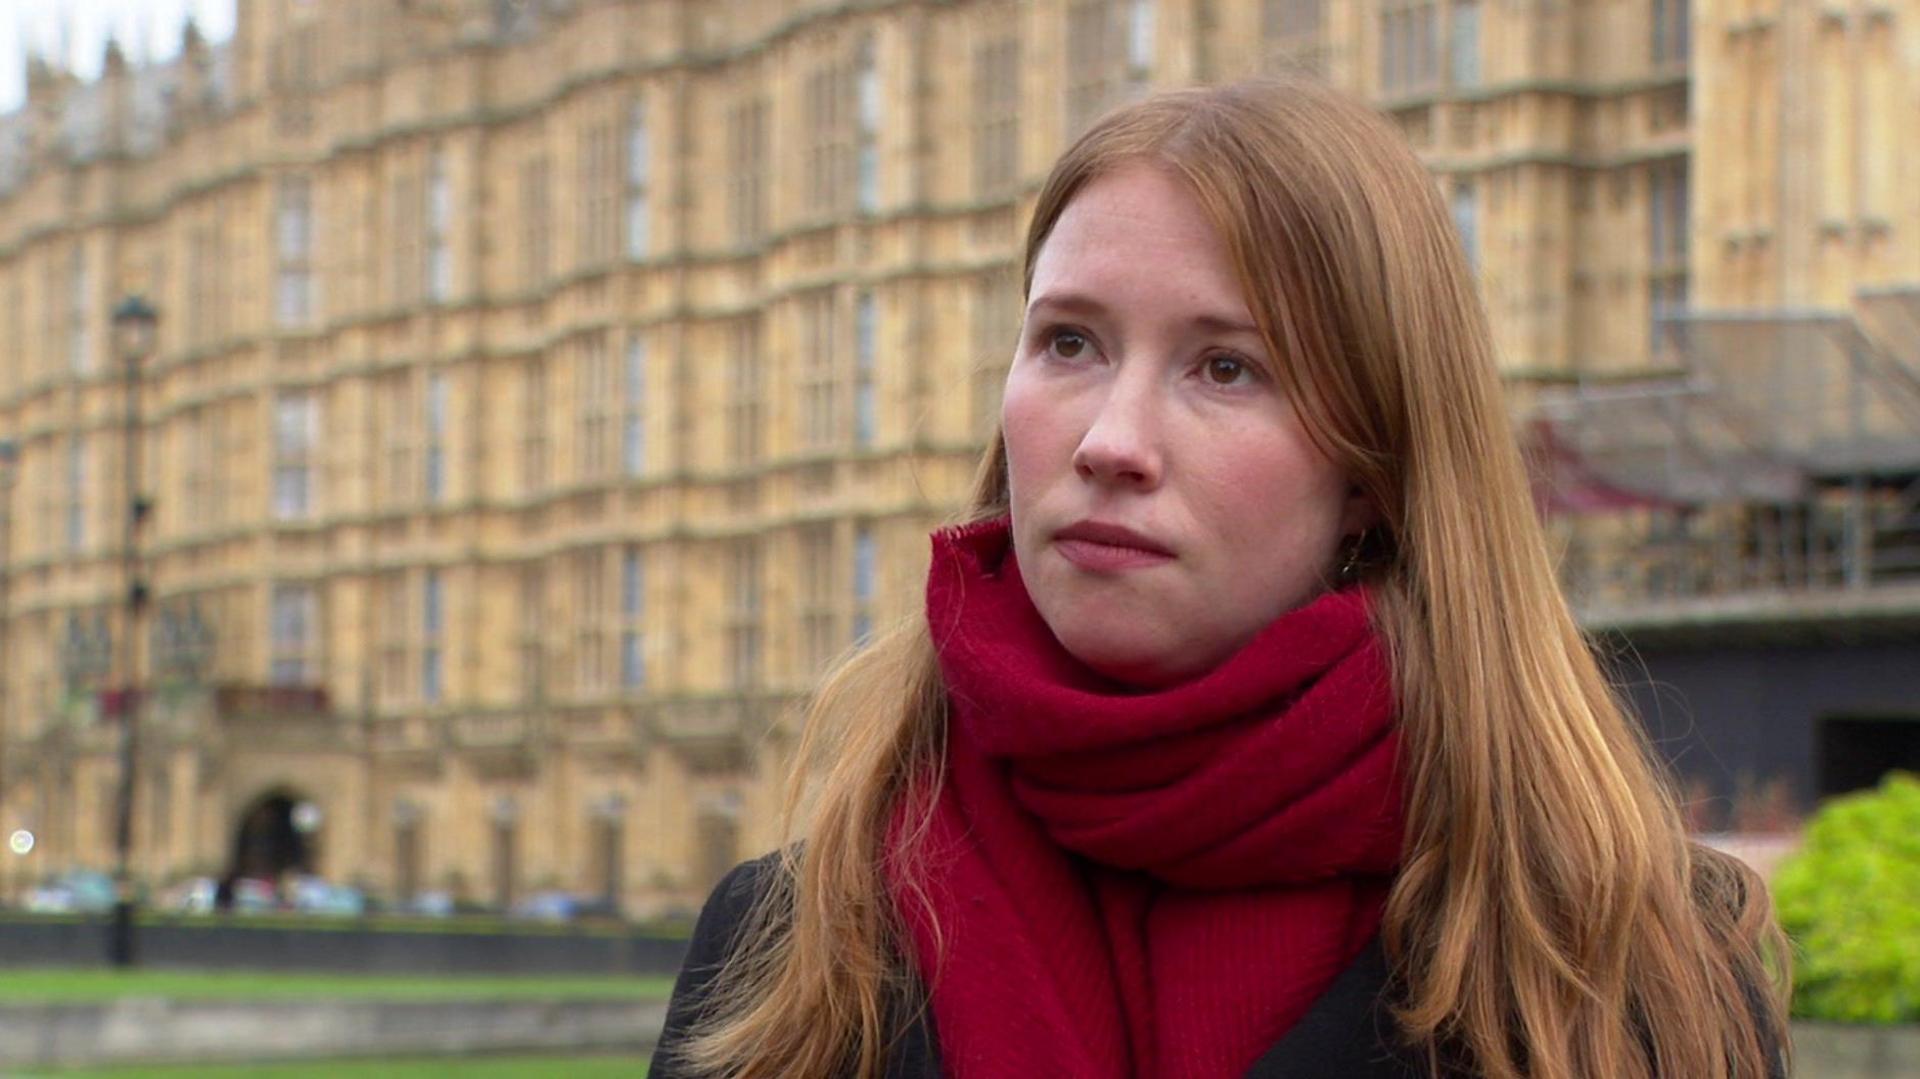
1107, 557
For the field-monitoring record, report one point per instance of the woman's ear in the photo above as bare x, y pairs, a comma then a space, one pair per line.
1359, 515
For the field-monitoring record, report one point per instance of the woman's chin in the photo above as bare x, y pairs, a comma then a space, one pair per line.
1143, 664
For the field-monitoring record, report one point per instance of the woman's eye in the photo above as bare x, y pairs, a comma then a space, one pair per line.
1226, 370
1067, 344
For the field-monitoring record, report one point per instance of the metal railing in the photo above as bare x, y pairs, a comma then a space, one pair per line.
1778, 455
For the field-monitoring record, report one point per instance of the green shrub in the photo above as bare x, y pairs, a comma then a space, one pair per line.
1850, 899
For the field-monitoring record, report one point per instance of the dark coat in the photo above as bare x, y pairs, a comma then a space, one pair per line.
1346, 1033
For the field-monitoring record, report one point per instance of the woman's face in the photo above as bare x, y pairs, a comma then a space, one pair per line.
1167, 503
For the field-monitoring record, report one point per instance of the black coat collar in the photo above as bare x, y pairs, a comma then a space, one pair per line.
1347, 1033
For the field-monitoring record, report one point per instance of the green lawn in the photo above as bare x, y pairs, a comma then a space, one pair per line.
61, 986
545, 1067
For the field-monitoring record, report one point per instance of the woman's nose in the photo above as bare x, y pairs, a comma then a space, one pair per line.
1121, 445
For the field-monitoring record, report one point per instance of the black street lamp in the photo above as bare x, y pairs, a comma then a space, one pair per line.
135, 323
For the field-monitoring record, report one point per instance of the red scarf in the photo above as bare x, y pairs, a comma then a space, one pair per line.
1144, 884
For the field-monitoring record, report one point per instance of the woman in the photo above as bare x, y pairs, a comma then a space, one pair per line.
1247, 732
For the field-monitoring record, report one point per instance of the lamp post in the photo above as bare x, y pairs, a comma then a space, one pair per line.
134, 325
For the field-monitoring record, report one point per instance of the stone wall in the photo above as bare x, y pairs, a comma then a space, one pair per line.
1834, 1051
215, 946
153, 1030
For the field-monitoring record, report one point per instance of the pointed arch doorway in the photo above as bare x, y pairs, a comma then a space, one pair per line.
277, 836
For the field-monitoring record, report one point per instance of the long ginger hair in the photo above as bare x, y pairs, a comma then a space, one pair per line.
1551, 919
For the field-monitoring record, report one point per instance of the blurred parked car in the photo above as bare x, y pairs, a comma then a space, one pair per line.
312, 895
81, 891
548, 907
194, 895
432, 904
600, 908
251, 895
558, 906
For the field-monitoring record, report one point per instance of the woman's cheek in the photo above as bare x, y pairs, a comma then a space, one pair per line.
1023, 419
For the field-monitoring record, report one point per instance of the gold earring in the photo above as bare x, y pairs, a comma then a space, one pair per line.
1350, 565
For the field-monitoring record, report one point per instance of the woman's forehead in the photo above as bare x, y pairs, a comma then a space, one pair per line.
1138, 236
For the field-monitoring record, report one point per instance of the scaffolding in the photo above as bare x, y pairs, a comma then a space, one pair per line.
1774, 456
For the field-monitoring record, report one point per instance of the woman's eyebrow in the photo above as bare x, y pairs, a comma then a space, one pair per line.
1069, 302
1225, 324
1083, 304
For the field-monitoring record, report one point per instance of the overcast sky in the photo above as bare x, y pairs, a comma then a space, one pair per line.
144, 27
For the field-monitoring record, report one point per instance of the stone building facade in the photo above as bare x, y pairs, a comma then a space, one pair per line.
548, 391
